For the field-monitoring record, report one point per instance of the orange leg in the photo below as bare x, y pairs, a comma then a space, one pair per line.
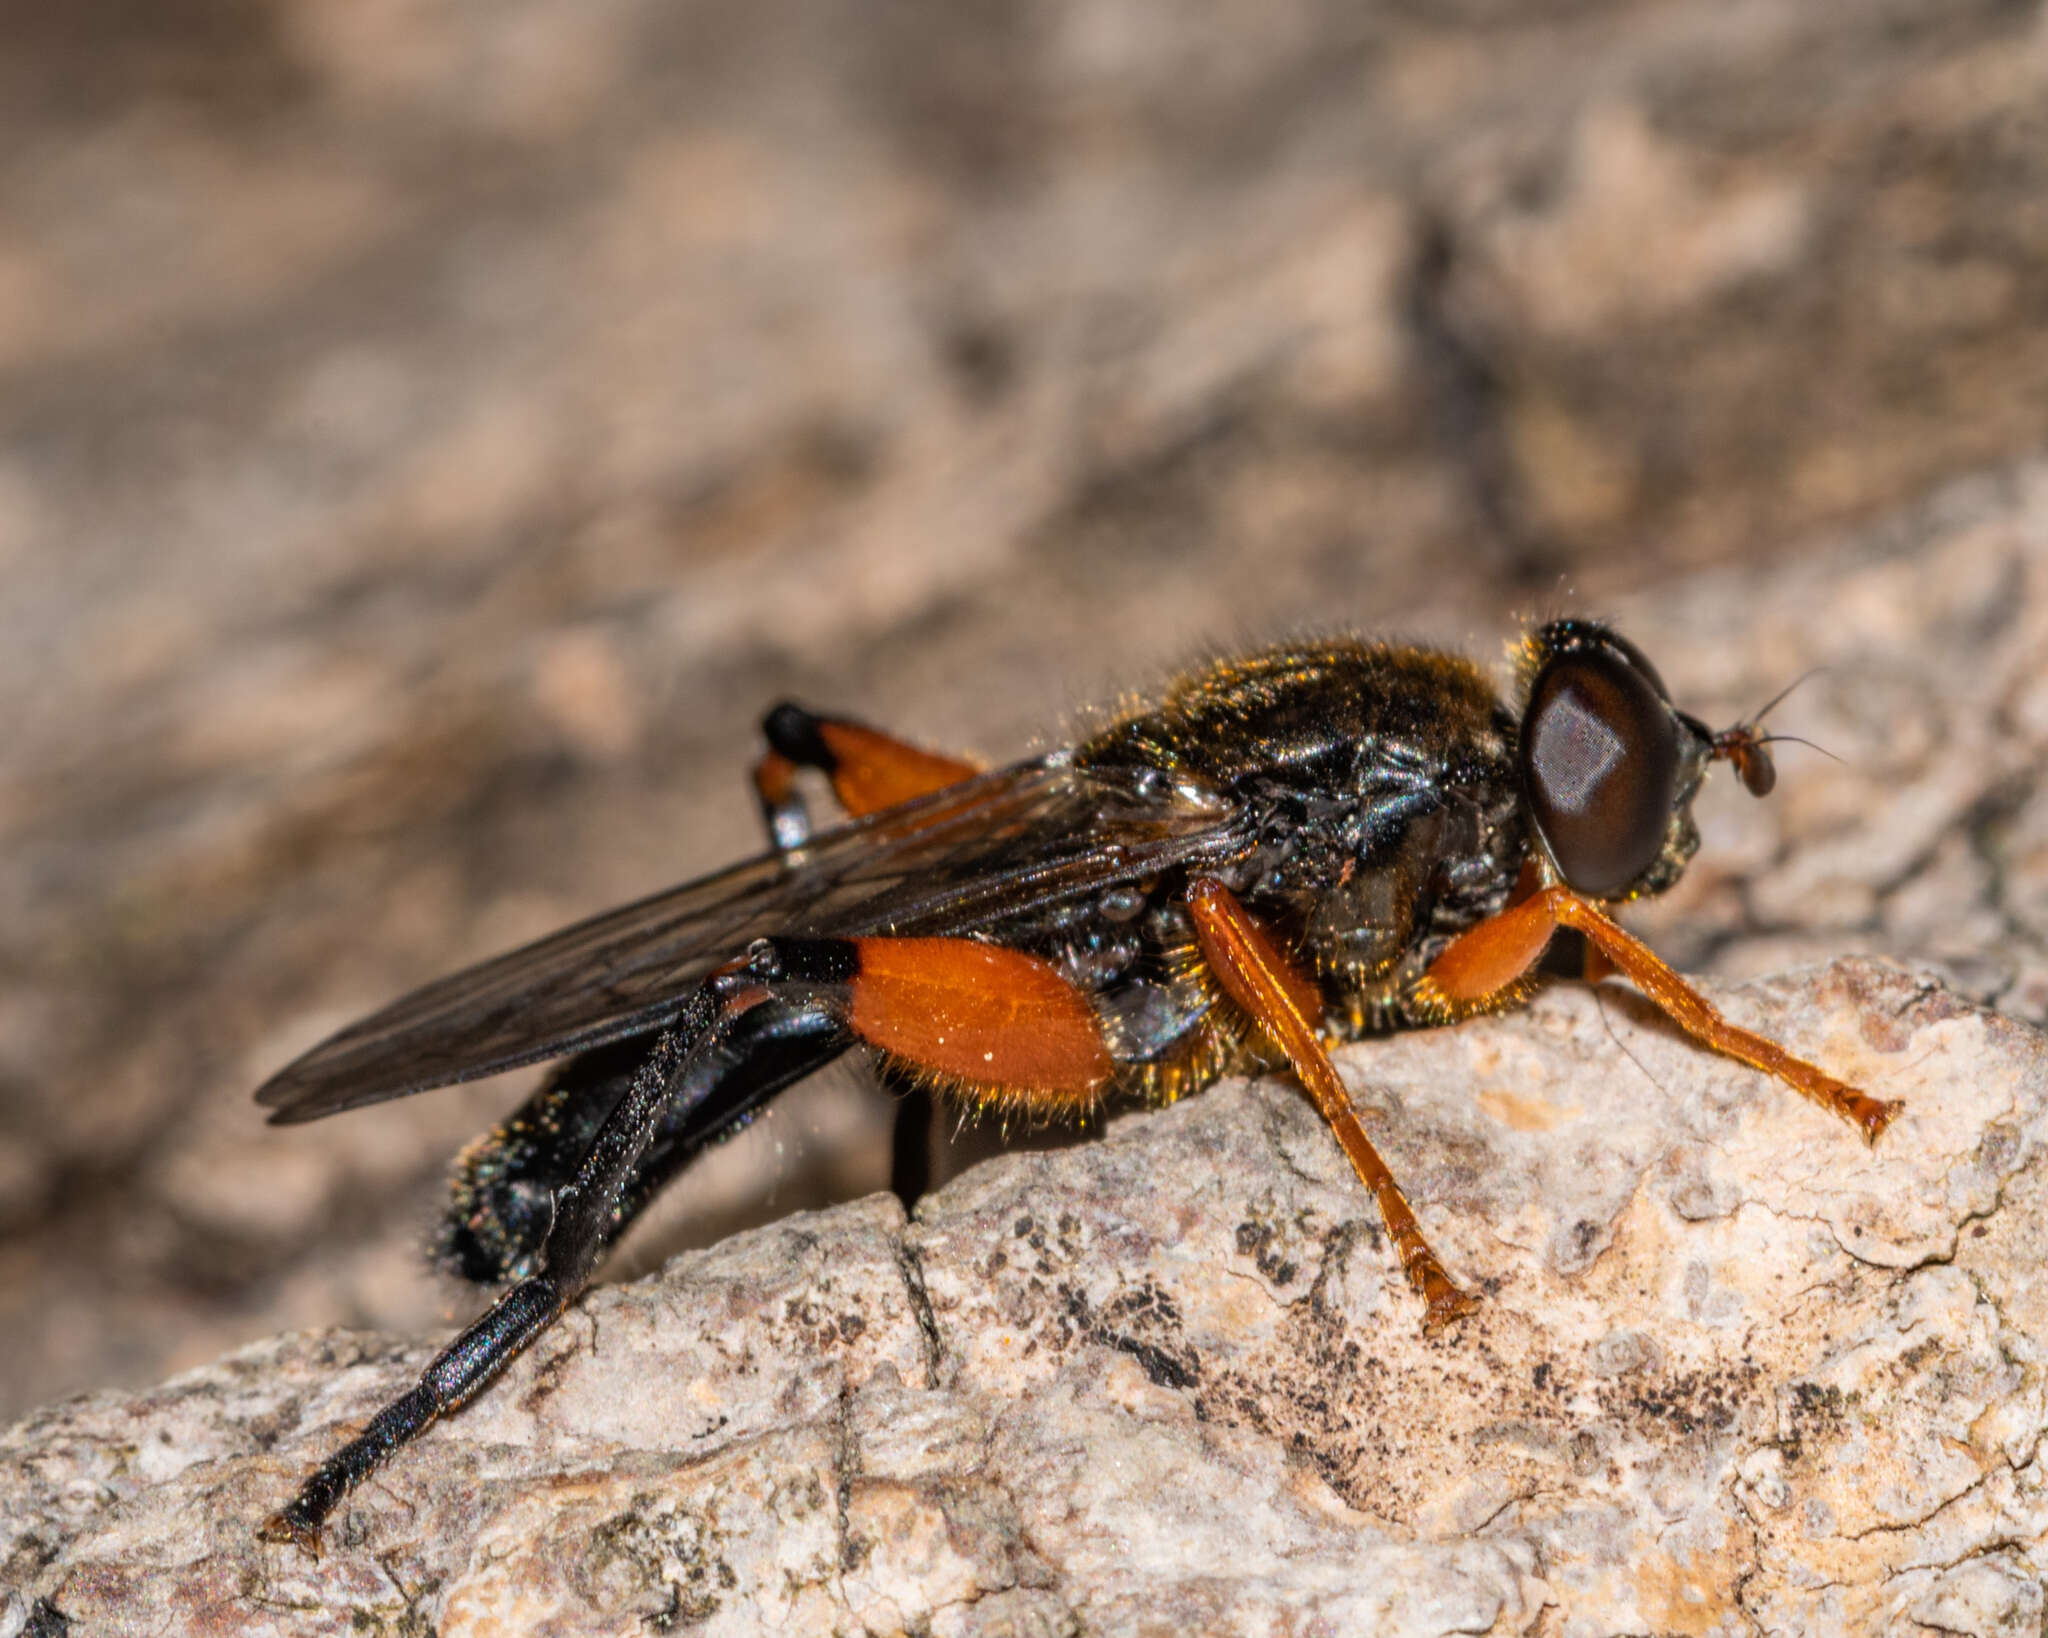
1263, 981
869, 770
1596, 964
981, 1016
1494, 954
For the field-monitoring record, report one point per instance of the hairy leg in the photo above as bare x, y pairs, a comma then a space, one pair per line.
1260, 979
1497, 952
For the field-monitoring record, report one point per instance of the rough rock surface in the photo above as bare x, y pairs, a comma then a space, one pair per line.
431, 432
1733, 1372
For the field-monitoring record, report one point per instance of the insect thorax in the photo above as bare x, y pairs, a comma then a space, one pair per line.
1378, 789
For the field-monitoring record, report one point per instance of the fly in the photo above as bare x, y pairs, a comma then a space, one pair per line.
1305, 844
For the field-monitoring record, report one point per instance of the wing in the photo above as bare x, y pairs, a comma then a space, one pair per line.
953, 862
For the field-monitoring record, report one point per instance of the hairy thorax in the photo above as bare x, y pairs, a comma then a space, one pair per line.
1376, 790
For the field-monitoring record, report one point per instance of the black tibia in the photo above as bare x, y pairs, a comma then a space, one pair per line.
502, 1192
910, 1143
752, 1028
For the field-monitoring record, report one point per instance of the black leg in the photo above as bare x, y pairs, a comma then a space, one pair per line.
502, 1193
910, 1145
753, 1028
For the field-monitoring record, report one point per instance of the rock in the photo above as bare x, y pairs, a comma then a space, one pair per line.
1732, 1371
434, 433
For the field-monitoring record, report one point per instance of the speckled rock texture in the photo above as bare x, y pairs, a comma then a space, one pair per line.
1733, 1372
433, 431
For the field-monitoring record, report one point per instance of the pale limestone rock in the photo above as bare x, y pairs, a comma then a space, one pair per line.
1733, 1370
435, 432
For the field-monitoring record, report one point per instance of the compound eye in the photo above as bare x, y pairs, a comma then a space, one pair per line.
1600, 764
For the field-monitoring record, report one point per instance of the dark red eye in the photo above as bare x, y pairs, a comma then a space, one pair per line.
1600, 764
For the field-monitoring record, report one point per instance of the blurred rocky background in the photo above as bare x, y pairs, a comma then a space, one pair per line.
431, 432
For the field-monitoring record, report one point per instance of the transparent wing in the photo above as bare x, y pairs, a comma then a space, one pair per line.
1003, 843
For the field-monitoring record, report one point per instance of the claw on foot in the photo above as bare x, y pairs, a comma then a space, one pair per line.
1445, 1303
1872, 1115
286, 1531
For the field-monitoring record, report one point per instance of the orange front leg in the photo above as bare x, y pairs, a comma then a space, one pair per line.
1260, 979
1496, 953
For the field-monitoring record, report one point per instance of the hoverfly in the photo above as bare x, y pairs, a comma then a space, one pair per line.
1316, 842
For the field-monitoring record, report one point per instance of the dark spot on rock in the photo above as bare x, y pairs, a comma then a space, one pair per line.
1998, 1149
982, 357
45, 1620
1164, 1370
1124, 1323
1812, 1411
1919, 1354
655, 1550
